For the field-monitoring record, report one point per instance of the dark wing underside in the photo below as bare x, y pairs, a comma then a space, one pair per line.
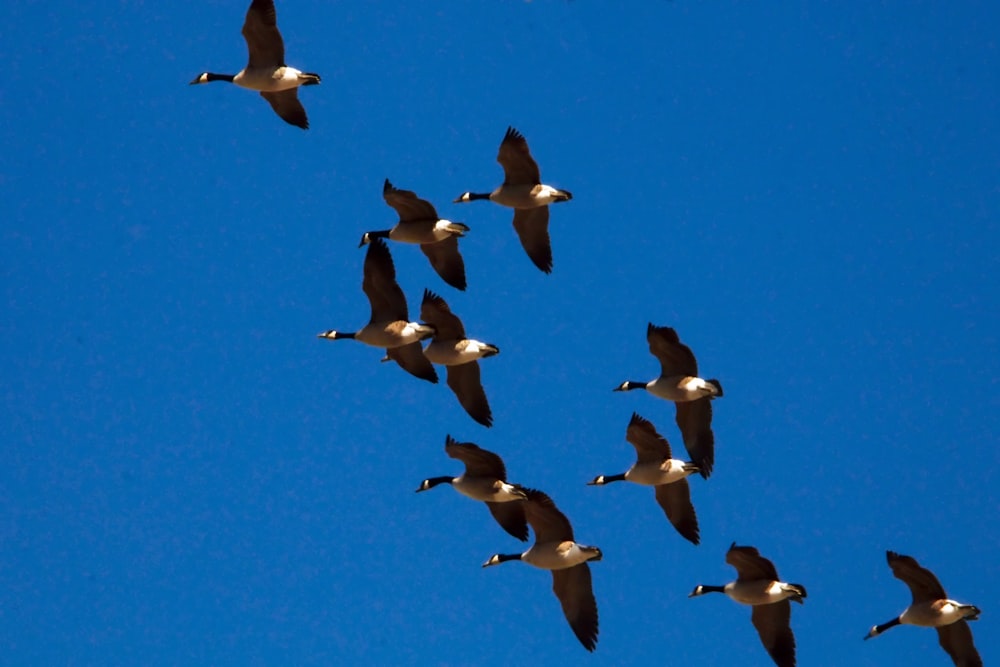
956, 640
532, 227
411, 359
435, 311
574, 588
510, 516
465, 382
650, 446
519, 168
286, 104
924, 586
446, 261
750, 565
675, 357
675, 499
260, 30
694, 419
773, 623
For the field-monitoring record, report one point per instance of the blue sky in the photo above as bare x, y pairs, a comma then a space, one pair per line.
808, 193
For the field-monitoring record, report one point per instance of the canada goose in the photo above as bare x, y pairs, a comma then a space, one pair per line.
931, 608
266, 70
555, 550
450, 347
757, 584
485, 479
679, 382
389, 327
654, 467
419, 223
522, 190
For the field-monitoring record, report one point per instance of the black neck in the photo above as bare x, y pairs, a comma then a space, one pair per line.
211, 76
713, 589
473, 196
434, 481
613, 478
879, 629
381, 234
632, 384
503, 558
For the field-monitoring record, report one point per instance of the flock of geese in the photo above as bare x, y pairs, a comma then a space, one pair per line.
515, 507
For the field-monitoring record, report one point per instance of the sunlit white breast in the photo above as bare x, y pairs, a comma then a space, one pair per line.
269, 79
391, 334
654, 474
455, 353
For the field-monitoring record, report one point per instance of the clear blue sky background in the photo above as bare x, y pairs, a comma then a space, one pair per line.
808, 192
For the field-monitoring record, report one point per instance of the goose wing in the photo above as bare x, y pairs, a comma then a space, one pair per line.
510, 516
446, 261
411, 359
435, 311
694, 419
923, 584
574, 588
549, 524
478, 462
380, 286
650, 446
750, 565
464, 380
532, 227
286, 104
956, 640
675, 499
408, 205
260, 30
519, 168
773, 623
675, 357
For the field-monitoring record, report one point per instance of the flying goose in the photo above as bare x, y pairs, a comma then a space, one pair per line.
266, 70
654, 467
931, 608
485, 479
522, 190
419, 223
450, 347
555, 550
389, 327
757, 584
679, 382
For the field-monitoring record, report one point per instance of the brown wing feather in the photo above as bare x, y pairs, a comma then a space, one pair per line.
675, 499
519, 168
574, 588
435, 311
411, 359
956, 640
675, 357
446, 261
286, 104
465, 382
532, 227
380, 286
694, 419
510, 516
650, 446
923, 584
549, 524
773, 623
260, 30
750, 565
478, 462
408, 205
